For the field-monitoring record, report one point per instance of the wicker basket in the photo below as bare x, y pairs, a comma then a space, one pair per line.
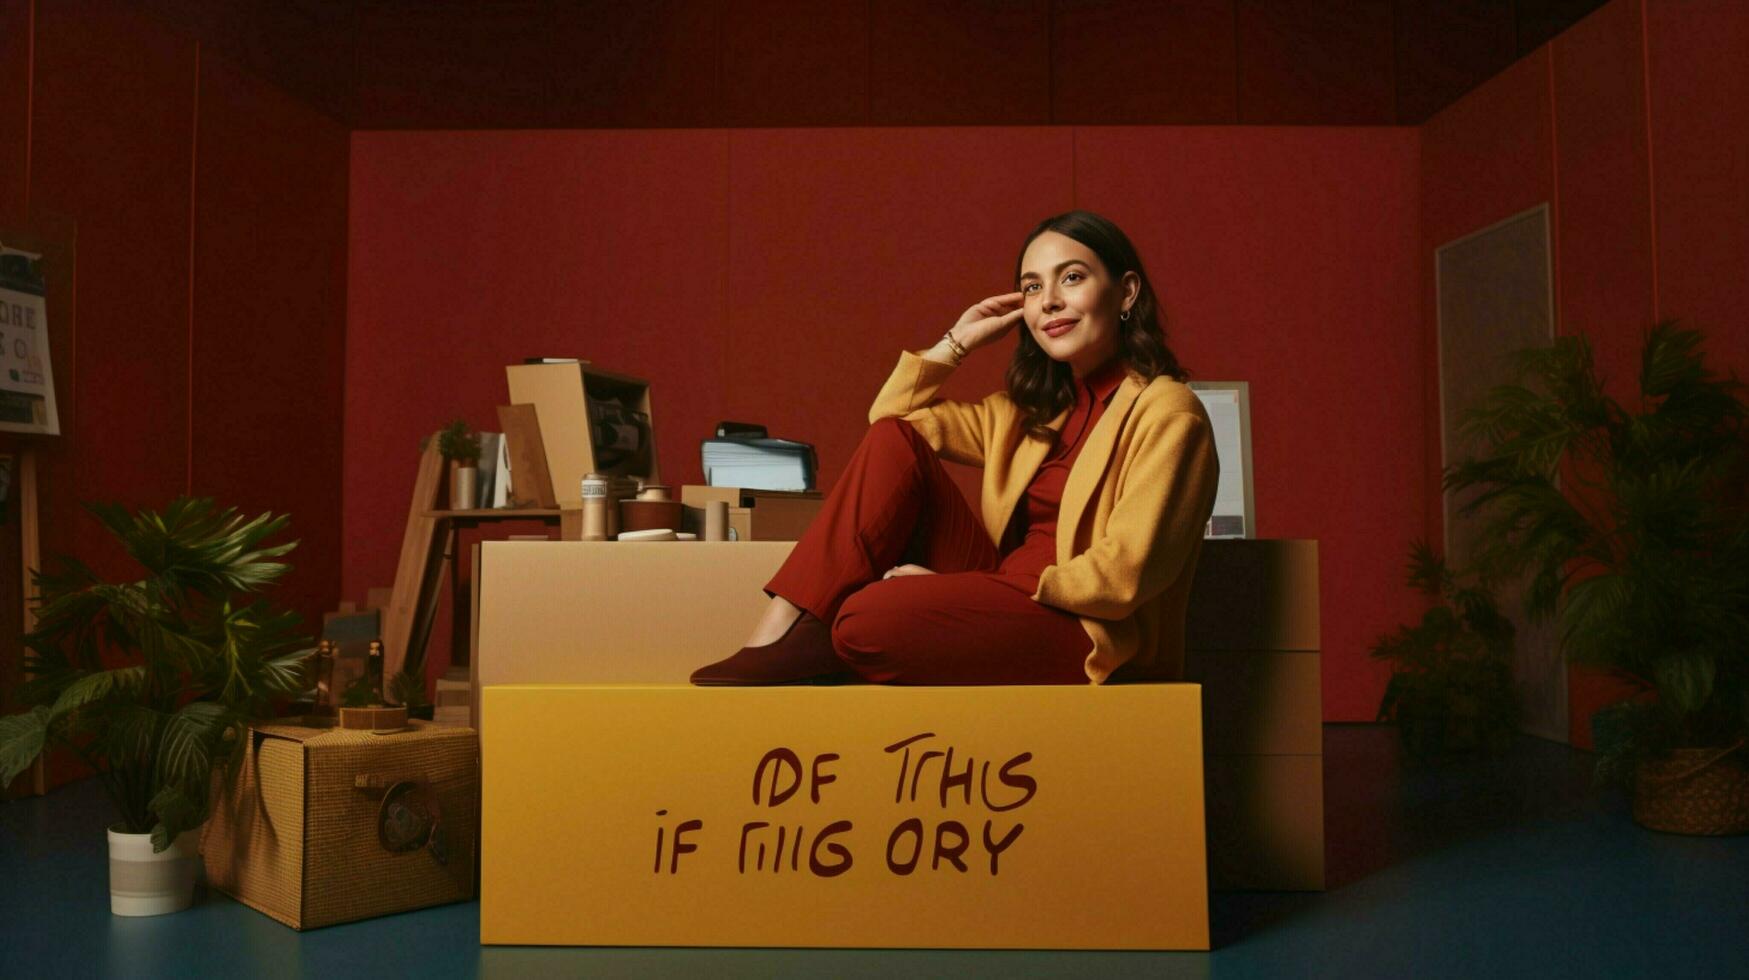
1694, 791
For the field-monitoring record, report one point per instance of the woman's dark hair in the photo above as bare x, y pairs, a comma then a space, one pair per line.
1042, 387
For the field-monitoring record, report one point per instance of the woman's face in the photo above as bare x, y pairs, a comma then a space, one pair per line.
1071, 302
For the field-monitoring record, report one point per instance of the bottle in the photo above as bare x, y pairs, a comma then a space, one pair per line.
595, 506
324, 678
376, 671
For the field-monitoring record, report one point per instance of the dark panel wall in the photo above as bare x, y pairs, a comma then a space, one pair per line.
267, 345
14, 107
1699, 163
1119, 62
1445, 49
574, 64
1323, 63
112, 147
1632, 125
208, 315
306, 47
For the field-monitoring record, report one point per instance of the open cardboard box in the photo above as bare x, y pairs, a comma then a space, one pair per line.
560, 394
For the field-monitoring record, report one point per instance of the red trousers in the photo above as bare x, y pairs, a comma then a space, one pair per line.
967, 624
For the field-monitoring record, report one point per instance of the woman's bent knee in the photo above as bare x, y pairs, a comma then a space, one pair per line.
862, 635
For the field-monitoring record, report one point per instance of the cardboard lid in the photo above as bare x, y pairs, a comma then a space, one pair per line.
319, 735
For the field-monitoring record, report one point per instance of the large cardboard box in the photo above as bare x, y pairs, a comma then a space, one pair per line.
754, 515
859, 816
329, 825
589, 612
1253, 644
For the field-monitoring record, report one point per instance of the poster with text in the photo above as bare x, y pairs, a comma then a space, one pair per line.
27, 385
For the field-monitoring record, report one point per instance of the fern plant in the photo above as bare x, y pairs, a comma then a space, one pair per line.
197, 664
1632, 526
1451, 689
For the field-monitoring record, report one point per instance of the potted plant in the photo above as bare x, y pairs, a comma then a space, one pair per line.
153, 682
1451, 691
1633, 527
461, 448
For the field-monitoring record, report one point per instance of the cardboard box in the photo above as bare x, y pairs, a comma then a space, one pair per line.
585, 612
1254, 594
305, 832
862, 816
754, 515
560, 394
1261, 702
1265, 819
1253, 639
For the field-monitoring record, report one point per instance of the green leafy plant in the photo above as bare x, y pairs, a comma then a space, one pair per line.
458, 444
1452, 686
199, 664
1632, 527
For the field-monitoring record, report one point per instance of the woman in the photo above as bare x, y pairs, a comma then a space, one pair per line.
1099, 477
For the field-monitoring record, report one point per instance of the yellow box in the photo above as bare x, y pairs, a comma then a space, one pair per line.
1015, 817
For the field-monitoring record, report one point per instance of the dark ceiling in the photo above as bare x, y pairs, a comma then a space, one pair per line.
441, 64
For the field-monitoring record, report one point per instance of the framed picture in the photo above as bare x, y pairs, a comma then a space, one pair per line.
27, 383
1228, 404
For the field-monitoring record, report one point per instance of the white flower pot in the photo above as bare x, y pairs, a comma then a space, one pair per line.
144, 883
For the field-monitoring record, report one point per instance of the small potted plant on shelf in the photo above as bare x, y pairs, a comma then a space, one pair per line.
153, 682
1451, 691
1633, 526
461, 449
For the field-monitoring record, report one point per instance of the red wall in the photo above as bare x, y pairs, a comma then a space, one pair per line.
774, 275
208, 313
1634, 124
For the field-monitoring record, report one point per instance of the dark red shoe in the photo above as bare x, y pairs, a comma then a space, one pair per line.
802, 654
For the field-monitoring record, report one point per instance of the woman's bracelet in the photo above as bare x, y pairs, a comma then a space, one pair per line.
959, 352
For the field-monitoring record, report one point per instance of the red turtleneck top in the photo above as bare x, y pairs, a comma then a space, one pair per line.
1035, 520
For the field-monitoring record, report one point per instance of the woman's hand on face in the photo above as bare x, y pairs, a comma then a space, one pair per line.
989, 320
897, 571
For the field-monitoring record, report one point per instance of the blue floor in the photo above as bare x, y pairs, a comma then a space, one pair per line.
1509, 868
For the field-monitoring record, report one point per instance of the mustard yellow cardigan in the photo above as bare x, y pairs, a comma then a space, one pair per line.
1130, 528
